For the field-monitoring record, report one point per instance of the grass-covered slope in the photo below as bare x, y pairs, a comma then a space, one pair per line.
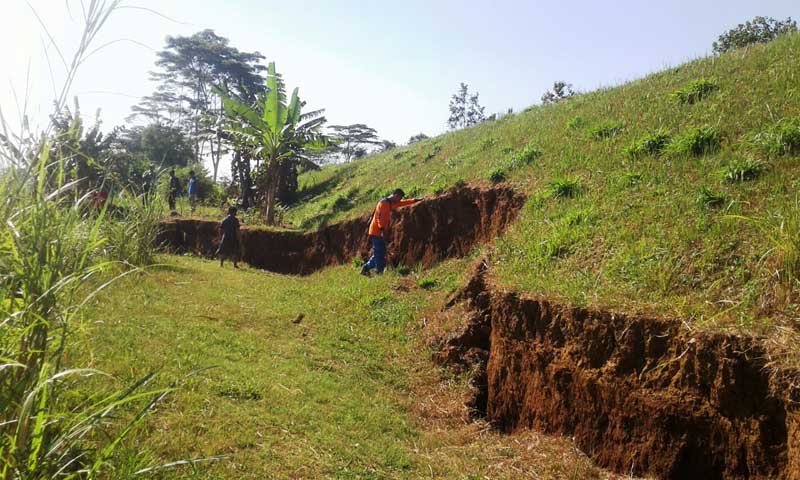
324, 376
674, 194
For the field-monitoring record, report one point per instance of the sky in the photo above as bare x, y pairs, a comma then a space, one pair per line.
390, 65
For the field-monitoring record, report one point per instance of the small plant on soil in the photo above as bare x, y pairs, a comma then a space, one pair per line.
560, 244
427, 283
697, 142
488, 143
606, 130
695, 91
709, 199
434, 151
576, 123
632, 179
565, 187
526, 157
579, 217
497, 175
358, 262
783, 138
739, 170
651, 144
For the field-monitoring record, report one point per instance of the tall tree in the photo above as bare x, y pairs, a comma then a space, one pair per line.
352, 139
417, 138
758, 30
465, 109
561, 91
274, 131
189, 69
162, 145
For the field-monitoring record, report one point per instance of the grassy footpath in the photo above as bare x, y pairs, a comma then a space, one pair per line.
635, 194
348, 392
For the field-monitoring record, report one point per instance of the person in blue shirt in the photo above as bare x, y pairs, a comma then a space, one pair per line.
192, 191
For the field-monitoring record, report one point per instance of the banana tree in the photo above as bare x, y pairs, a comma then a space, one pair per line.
273, 131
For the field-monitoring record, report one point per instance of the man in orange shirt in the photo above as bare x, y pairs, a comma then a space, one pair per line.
379, 226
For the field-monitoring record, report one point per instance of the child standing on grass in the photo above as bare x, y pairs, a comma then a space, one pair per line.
192, 191
231, 245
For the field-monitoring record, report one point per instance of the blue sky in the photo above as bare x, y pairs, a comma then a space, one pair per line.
391, 65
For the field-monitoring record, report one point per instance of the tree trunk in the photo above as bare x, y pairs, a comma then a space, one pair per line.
273, 179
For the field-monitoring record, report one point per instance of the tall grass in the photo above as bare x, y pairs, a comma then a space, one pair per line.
55, 421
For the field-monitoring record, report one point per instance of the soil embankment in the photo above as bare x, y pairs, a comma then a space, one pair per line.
638, 395
445, 226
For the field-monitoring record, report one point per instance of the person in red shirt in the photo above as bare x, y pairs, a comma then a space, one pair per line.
379, 226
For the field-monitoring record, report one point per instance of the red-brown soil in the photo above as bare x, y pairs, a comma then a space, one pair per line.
448, 225
638, 395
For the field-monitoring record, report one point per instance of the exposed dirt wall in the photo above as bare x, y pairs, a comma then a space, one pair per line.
638, 395
448, 225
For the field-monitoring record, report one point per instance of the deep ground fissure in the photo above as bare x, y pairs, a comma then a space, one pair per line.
639, 395
445, 226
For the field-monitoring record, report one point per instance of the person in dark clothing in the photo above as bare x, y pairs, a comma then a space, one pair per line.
174, 188
231, 244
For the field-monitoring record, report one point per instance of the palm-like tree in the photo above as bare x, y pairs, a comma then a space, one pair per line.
273, 131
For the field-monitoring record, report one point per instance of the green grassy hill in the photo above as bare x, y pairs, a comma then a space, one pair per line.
675, 194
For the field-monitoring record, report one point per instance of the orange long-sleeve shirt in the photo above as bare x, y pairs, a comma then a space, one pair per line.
383, 215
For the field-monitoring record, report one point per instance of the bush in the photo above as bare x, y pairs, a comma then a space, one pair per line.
709, 199
783, 138
695, 91
434, 151
488, 143
565, 187
497, 175
652, 144
606, 130
738, 170
133, 231
576, 123
427, 283
526, 156
697, 142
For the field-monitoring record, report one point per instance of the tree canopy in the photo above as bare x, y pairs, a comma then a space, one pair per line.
465, 109
352, 140
189, 70
758, 30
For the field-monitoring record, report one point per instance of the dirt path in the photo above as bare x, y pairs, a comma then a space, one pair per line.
445, 226
637, 395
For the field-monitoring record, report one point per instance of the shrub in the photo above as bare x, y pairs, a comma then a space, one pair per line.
427, 284
131, 235
435, 151
606, 130
497, 175
709, 199
576, 123
695, 91
526, 157
783, 138
488, 143
652, 144
697, 142
565, 187
342, 203
738, 170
